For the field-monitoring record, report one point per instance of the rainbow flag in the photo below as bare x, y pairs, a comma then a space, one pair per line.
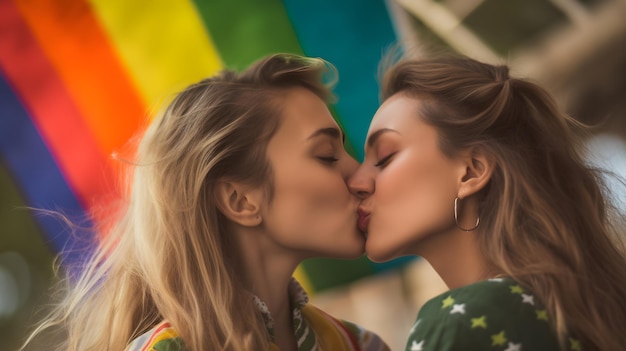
79, 78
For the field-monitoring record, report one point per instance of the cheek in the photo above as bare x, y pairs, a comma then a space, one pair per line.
412, 200
314, 202
413, 181
315, 214
317, 192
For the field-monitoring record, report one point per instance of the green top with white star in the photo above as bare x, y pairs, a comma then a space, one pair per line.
495, 314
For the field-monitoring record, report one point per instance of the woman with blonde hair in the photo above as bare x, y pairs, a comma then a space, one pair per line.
483, 176
241, 178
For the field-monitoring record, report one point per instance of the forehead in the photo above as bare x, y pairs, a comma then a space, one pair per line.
303, 113
397, 112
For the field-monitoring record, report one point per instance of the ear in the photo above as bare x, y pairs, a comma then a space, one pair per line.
240, 203
479, 168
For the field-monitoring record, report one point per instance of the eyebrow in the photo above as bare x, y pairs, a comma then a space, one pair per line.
372, 138
331, 132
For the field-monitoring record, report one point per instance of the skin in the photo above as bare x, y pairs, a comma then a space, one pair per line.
312, 212
408, 185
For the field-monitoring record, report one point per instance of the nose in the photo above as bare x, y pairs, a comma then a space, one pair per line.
361, 183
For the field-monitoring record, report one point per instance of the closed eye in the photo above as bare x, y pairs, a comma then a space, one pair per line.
330, 159
384, 161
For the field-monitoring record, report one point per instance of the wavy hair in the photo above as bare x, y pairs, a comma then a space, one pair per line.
169, 255
545, 221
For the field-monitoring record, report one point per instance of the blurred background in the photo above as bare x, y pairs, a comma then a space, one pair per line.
79, 78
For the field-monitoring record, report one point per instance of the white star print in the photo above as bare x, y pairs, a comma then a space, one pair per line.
417, 347
514, 347
528, 299
458, 308
415, 326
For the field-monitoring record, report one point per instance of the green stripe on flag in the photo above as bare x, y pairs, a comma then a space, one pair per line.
246, 30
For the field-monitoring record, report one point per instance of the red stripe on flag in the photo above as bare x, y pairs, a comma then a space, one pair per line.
76, 45
51, 108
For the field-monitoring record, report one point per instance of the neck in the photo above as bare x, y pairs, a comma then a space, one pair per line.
456, 257
267, 270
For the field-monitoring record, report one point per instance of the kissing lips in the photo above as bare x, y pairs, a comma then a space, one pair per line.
363, 221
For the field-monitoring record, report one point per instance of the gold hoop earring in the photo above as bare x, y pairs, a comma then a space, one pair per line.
456, 218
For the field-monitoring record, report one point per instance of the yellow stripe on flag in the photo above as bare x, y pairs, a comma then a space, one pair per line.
162, 43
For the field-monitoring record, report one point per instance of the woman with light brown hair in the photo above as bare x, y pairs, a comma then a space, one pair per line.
483, 176
241, 178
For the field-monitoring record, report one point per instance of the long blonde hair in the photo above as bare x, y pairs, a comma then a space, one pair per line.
169, 255
544, 217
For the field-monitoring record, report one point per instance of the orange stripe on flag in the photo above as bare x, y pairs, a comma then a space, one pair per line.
76, 45
51, 108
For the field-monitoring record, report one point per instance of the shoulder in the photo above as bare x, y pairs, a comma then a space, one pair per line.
160, 338
492, 291
487, 314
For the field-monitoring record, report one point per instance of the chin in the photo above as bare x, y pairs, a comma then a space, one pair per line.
379, 255
378, 259
351, 251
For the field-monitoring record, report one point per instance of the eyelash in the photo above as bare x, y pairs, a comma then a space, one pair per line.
384, 161
328, 159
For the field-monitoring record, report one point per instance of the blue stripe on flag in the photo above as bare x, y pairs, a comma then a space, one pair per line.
353, 35
33, 166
